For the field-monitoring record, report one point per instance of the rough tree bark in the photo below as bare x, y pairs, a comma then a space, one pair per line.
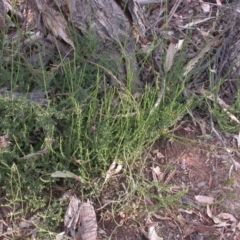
103, 18
107, 20
2, 15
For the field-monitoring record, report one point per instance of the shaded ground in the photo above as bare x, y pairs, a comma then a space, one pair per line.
198, 163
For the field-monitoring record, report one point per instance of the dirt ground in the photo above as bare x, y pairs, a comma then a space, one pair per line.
209, 209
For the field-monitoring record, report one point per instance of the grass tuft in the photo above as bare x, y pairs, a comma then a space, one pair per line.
85, 125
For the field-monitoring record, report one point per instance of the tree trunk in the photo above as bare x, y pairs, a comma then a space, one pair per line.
103, 18
107, 20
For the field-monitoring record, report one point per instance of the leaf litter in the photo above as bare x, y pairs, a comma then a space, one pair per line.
206, 209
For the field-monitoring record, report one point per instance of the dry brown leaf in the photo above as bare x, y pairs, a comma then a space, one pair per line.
219, 2
170, 56
205, 6
204, 33
209, 213
228, 216
179, 45
72, 215
87, 229
113, 169
202, 228
188, 230
80, 216
222, 224
65, 174
183, 164
158, 172
157, 153
152, 235
4, 142
188, 129
204, 199
60, 236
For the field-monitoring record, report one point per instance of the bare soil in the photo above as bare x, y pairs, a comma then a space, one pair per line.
196, 162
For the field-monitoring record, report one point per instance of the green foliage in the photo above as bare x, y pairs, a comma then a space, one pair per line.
89, 122
224, 119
